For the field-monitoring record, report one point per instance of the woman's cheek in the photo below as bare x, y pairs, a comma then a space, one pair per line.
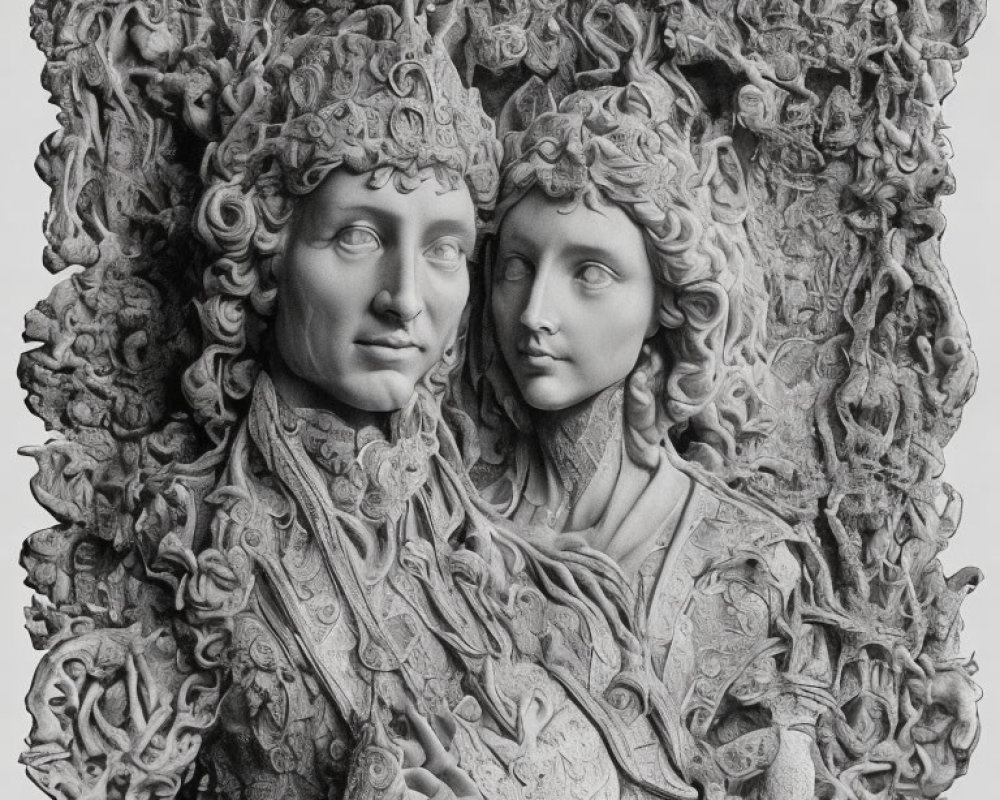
506, 314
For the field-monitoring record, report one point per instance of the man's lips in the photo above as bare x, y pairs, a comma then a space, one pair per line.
392, 341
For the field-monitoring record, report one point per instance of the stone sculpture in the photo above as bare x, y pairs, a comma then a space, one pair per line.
272, 575
604, 210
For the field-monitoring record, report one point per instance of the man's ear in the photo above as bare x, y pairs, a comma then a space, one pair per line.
273, 258
271, 241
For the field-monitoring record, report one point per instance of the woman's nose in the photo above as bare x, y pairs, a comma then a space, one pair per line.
540, 314
399, 298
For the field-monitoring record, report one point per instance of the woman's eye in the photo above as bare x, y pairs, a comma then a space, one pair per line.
595, 276
513, 268
358, 239
445, 253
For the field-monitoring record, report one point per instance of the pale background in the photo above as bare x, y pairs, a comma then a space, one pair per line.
973, 456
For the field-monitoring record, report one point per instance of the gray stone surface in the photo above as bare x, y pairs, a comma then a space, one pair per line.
697, 555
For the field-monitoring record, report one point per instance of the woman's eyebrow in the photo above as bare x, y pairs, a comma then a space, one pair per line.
512, 238
590, 252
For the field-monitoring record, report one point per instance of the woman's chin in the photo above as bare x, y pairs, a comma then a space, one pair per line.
550, 395
555, 393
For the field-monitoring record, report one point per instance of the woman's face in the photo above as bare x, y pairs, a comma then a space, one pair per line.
573, 298
371, 287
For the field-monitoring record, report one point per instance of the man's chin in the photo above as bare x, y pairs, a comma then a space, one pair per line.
382, 392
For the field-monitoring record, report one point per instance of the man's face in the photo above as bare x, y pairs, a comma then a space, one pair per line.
371, 287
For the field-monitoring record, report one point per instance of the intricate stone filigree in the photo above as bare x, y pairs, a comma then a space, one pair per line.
833, 111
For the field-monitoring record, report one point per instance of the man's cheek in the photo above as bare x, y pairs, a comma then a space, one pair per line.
456, 297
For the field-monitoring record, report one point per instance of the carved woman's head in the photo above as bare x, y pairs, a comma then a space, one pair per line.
341, 205
611, 237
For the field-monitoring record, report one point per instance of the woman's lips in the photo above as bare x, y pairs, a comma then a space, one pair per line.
533, 351
535, 358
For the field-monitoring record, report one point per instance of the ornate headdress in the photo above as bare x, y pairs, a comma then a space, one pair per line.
632, 145
377, 93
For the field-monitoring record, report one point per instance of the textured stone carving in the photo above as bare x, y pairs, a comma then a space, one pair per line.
730, 583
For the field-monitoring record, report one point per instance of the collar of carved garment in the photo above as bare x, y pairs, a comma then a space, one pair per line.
368, 473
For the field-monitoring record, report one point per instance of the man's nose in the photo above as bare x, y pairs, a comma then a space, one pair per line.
399, 297
540, 315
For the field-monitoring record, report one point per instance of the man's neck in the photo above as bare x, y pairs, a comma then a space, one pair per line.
300, 394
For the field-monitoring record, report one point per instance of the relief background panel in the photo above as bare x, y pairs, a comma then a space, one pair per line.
971, 249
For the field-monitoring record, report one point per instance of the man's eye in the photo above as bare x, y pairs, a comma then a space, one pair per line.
513, 268
358, 239
594, 276
445, 253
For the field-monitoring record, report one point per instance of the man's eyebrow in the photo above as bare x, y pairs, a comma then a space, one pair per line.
362, 209
381, 212
454, 225
320, 216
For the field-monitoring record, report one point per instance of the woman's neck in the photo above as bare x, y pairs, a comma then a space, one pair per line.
590, 485
581, 451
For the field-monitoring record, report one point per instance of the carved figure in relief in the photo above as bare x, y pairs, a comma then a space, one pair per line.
622, 314
278, 580
373, 630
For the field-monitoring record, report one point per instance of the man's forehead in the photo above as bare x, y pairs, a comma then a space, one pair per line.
431, 200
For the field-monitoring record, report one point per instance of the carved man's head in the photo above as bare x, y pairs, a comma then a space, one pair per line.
341, 202
371, 285
611, 235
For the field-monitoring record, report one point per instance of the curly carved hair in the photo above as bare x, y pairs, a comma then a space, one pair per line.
619, 145
377, 95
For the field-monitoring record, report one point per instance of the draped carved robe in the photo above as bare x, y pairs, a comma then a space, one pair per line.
380, 584
727, 612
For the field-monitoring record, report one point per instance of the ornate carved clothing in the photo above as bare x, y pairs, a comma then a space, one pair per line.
381, 585
716, 576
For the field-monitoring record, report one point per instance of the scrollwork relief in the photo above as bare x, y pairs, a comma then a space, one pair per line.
526, 399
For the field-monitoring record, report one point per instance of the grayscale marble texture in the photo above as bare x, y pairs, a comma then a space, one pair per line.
696, 554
